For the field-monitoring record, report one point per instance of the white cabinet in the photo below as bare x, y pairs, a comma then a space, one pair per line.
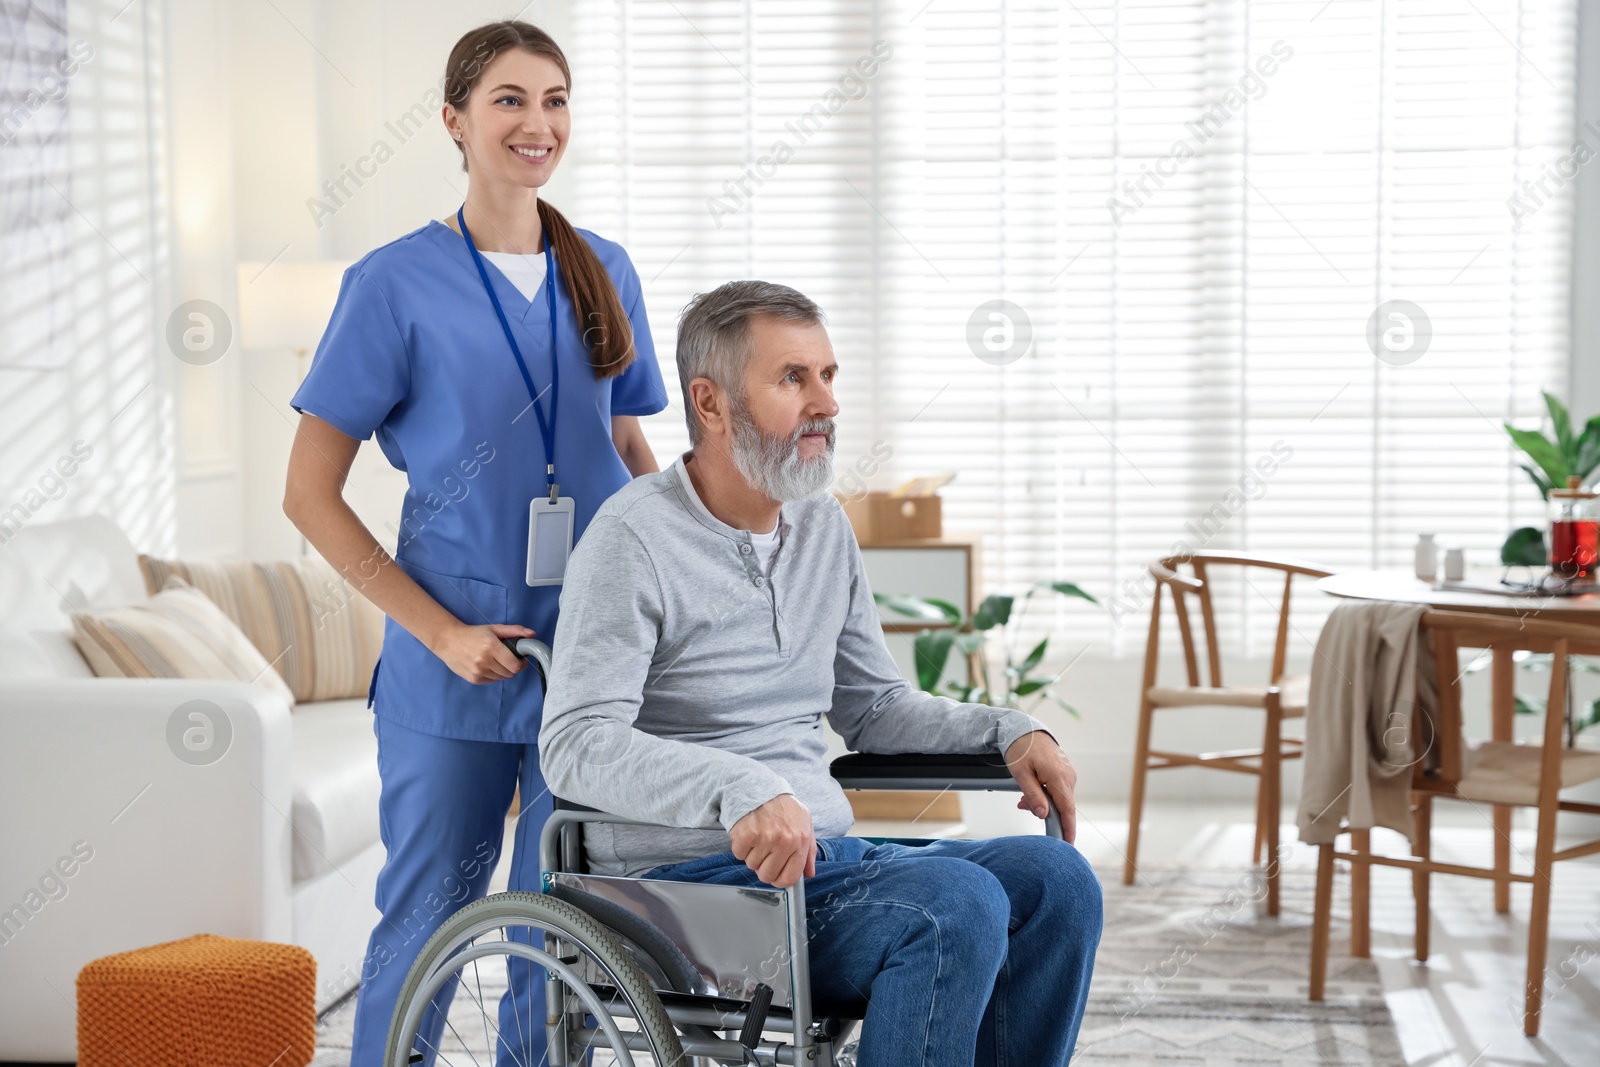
943, 569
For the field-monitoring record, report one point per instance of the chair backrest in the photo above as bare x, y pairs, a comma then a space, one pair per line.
1198, 584
1452, 631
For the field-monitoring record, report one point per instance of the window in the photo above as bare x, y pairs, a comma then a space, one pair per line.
84, 267
1200, 209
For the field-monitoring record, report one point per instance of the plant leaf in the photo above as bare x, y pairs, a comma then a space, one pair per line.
1539, 480
970, 641
1561, 423
1587, 450
1524, 548
931, 649
926, 610
1028, 688
1542, 451
1071, 589
1034, 657
1068, 708
1589, 717
1529, 705
994, 611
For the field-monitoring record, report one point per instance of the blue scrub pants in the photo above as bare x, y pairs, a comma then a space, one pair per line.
442, 816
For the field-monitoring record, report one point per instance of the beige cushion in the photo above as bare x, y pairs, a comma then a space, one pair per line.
1292, 691
178, 633
322, 635
1502, 772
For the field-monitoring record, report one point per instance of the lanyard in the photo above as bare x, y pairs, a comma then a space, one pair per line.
546, 429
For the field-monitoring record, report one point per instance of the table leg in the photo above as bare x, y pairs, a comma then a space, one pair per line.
1502, 708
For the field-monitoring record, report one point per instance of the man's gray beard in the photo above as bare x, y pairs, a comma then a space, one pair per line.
772, 464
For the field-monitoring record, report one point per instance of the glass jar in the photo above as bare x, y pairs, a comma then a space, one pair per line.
1574, 531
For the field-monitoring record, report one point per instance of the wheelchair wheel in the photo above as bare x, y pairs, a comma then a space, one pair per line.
470, 956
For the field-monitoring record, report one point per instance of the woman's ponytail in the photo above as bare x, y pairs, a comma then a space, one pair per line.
603, 322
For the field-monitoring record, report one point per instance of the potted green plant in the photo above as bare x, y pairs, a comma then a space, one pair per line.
1550, 462
969, 634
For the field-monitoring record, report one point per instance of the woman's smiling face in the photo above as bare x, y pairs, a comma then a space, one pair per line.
516, 122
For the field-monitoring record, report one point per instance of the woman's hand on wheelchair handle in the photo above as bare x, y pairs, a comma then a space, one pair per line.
1045, 774
478, 654
777, 841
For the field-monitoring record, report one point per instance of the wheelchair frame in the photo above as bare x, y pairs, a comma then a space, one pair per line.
812, 1040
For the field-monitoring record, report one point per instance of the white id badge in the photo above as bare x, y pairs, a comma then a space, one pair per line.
549, 539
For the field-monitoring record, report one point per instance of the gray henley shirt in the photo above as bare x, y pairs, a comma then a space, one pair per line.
688, 687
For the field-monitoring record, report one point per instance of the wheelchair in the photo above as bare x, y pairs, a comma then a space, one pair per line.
686, 973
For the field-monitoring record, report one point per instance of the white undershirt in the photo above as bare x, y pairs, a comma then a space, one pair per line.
766, 546
525, 271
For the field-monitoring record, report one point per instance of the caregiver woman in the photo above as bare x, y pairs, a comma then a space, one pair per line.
443, 344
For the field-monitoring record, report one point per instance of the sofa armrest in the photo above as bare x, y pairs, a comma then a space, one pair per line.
123, 832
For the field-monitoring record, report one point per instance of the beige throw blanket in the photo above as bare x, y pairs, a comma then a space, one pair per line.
1370, 678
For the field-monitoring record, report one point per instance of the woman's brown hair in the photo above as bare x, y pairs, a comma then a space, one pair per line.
607, 333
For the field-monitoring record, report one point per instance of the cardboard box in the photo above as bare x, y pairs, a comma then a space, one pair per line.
878, 517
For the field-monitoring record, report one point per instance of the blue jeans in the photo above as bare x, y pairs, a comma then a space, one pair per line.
963, 953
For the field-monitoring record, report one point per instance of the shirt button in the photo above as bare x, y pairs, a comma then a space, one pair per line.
760, 582
745, 549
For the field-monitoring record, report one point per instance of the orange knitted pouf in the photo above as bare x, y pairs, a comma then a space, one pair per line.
205, 1001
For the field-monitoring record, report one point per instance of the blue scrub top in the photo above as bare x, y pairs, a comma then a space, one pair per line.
414, 354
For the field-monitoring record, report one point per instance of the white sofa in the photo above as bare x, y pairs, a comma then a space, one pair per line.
109, 842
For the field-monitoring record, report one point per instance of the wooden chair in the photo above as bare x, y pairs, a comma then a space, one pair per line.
1281, 698
1499, 772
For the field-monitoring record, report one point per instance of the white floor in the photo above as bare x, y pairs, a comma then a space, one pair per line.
1462, 1008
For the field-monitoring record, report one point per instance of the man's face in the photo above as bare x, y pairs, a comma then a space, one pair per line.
783, 432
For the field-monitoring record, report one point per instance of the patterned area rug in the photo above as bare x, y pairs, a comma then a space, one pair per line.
1190, 973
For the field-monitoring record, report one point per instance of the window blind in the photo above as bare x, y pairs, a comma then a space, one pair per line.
83, 277
1194, 212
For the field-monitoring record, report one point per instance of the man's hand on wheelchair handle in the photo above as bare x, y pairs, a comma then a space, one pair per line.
1045, 774
777, 841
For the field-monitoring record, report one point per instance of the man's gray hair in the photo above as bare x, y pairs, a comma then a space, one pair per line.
714, 335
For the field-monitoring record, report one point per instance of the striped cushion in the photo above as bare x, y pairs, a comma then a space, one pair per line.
319, 633
178, 633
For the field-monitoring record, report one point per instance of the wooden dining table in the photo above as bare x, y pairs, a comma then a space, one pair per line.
1404, 587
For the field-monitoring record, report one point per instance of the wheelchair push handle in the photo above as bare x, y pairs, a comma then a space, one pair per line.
534, 649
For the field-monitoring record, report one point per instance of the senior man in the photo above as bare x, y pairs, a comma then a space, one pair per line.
711, 616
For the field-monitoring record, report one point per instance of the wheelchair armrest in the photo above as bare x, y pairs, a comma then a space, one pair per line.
917, 770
